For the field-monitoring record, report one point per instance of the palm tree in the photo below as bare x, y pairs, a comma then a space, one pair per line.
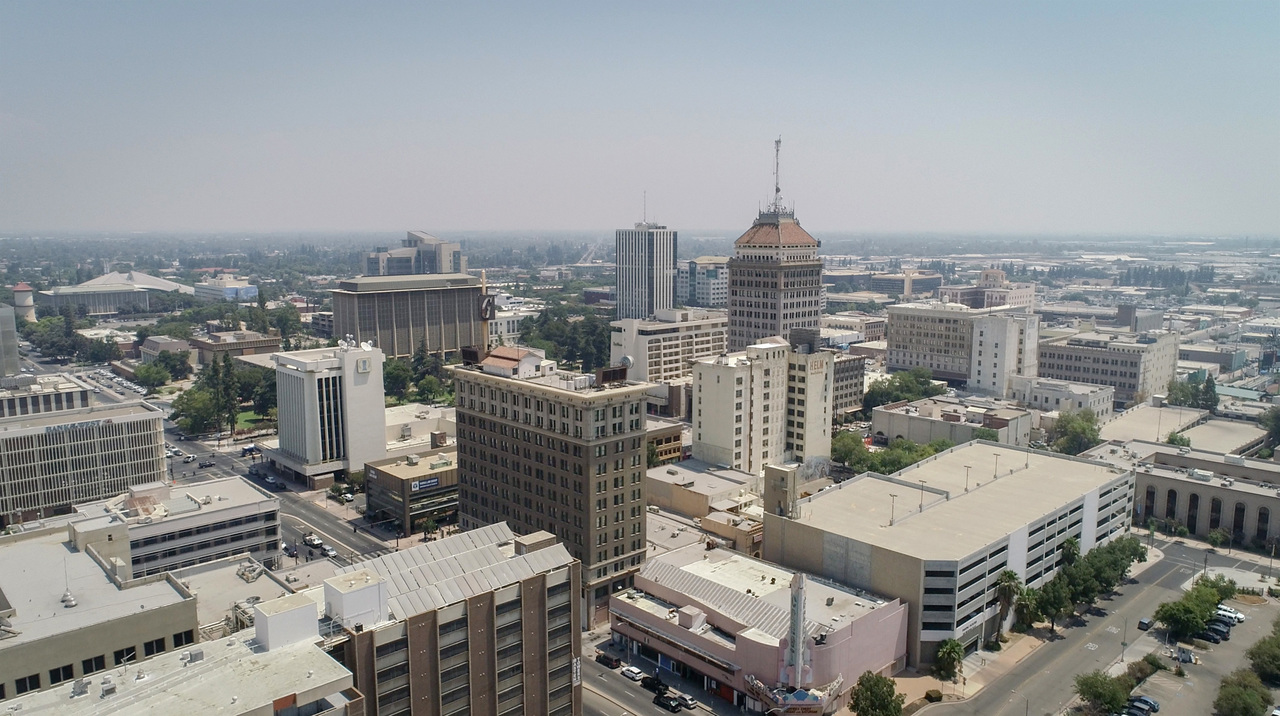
1070, 551
950, 661
1026, 608
1008, 585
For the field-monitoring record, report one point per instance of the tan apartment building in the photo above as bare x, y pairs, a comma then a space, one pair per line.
397, 313
481, 623
1137, 366
543, 449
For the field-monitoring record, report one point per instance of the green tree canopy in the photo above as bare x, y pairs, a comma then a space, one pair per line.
151, 376
876, 695
1074, 432
395, 378
1242, 693
912, 384
1176, 438
195, 411
177, 365
950, 659
1103, 693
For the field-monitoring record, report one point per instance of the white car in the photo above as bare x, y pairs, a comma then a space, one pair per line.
328, 551
687, 701
633, 673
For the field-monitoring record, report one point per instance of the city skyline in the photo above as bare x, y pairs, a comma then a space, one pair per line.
987, 117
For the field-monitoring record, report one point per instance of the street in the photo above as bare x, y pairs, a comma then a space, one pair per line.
1045, 678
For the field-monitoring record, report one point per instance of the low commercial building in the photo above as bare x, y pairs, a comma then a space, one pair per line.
909, 282
696, 489
1201, 490
967, 515
955, 419
234, 343
27, 394
1138, 366
1048, 394
1228, 358
666, 438
666, 347
407, 490
226, 288
97, 300
154, 530
481, 622
50, 462
322, 324
1232, 437
991, 290
69, 614
504, 329
153, 346
737, 624
871, 327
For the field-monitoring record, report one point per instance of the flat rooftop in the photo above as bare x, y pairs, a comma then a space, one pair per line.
1252, 476
432, 575
750, 591
442, 460
954, 523
235, 676
703, 477
117, 411
1225, 436
40, 385
217, 587
364, 284
36, 570
1144, 422
163, 502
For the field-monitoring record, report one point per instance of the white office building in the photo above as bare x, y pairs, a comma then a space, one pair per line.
332, 412
665, 348
765, 405
703, 281
1050, 394
982, 347
9, 364
646, 257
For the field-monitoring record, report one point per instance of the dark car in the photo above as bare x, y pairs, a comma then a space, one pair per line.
1152, 705
612, 662
206, 463
1209, 637
290, 551
668, 702
1221, 621
655, 685
1145, 624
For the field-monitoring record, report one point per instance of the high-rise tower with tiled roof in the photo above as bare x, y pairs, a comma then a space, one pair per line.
775, 277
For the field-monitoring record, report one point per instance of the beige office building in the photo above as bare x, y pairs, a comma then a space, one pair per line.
397, 313
542, 449
1137, 366
665, 348
50, 462
937, 534
983, 348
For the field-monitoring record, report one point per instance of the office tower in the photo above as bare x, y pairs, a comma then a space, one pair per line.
396, 313
703, 281
332, 412
419, 253
981, 347
9, 364
50, 462
775, 277
1137, 366
665, 348
646, 257
542, 449
482, 623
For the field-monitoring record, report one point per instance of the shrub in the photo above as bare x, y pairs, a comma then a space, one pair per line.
1156, 662
1139, 670
933, 696
992, 645
1179, 671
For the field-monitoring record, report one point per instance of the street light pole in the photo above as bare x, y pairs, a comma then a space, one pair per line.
1024, 698
1124, 639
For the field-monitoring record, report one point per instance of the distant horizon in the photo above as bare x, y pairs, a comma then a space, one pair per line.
911, 117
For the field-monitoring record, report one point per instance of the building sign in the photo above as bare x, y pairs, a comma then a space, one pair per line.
67, 427
577, 670
424, 484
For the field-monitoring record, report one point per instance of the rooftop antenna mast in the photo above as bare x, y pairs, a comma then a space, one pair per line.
777, 186
644, 215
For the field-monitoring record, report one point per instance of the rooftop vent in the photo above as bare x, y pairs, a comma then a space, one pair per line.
68, 599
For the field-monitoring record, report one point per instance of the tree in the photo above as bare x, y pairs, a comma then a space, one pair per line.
1176, 438
1074, 432
1223, 587
429, 387
950, 659
876, 695
1008, 586
1055, 599
1103, 693
1182, 392
651, 456
987, 434
426, 525
1026, 608
151, 376
1208, 396
1181, 618
1264, 658
1270, 419
1070, 551
1242, 693
1217, 538
177, 365
395, 378
195, 411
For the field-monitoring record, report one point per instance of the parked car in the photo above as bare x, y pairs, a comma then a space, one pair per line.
290, 551
633, 673
1145, 624
348, 497
654, 684
1151, 704
608, 660
328, 551
668, 702
269, 479
1209, 637
1231, 614
311, 540
688, 701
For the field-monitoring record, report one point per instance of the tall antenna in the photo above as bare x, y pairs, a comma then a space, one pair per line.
777, 186
645, 212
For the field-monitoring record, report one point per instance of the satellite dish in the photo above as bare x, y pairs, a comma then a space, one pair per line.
366, 346
627, 361
342, 344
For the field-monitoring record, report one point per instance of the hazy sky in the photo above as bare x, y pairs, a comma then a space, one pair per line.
1044, 117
